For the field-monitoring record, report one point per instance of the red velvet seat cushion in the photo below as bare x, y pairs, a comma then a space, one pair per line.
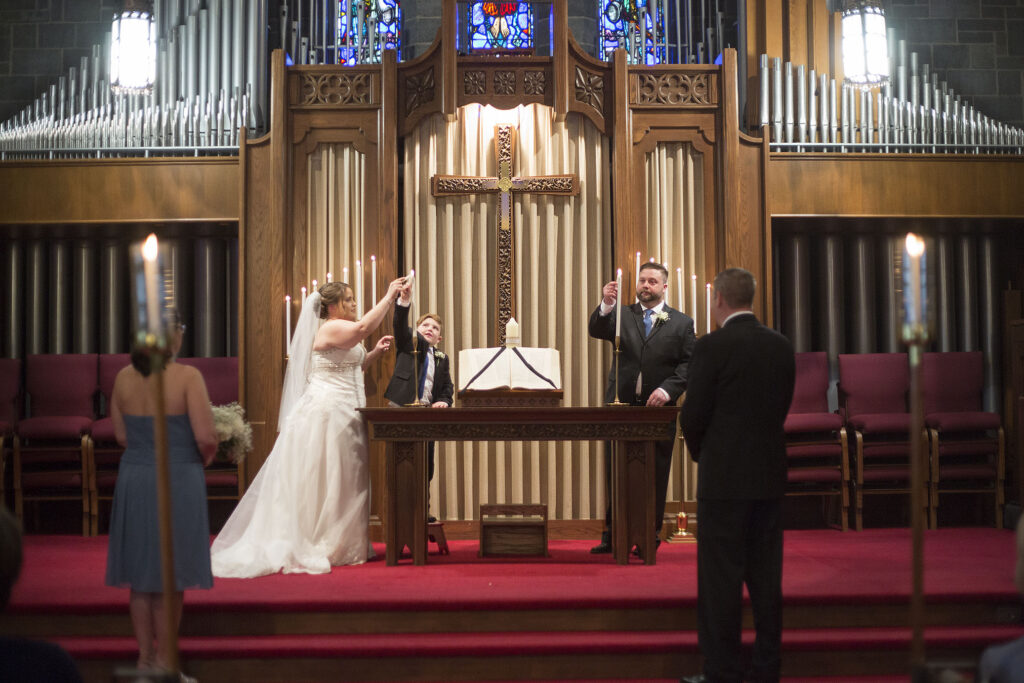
807, 475
815, 450
219, 478
103, 432
797, 423
881, 423
51, 480
968, 471
963, 421
54, 427
887, 473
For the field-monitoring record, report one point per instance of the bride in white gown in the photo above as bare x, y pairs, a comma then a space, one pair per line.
308, 509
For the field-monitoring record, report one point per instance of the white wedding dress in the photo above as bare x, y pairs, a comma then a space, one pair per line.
309, 507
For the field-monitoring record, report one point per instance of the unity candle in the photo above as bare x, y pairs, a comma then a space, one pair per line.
618, 301
512, 333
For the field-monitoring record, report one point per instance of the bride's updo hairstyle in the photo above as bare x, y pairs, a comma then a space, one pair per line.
140, 354
331, 293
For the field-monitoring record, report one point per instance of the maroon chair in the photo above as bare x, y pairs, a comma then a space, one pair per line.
224, 480
106, 450
10, 392
816, 443
873, 390
967, 444
53, 449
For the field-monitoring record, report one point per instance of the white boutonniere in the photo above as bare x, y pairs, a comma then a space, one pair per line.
439, 355
661, 317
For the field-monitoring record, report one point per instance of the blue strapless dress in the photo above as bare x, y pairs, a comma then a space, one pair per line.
133, 555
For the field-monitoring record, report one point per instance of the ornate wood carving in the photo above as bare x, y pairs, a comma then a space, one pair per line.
590, 89
337, 89
474, 82
419, 90
673, 89
523, 432
504, 82
534, 82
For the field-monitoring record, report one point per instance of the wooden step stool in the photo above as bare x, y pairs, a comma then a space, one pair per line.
435, 533
513, 530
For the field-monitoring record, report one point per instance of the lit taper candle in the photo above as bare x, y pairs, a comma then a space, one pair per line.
618, 302
288, 324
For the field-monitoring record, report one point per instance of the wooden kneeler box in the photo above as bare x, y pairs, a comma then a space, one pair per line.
513, 530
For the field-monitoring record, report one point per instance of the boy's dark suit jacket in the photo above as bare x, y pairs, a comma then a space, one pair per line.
662, 357
740, 388
402, 387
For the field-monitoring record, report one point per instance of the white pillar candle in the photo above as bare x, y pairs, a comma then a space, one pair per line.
512, 333
356, 288
288, 324
373, 279
679, 287
707, 308
693, 297
618, 302
150, 253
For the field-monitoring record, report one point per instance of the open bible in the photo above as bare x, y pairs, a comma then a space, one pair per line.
509, 376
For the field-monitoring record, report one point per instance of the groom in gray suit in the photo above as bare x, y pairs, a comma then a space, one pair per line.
655, 343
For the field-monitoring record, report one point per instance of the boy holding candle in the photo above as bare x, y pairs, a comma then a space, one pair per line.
424, 376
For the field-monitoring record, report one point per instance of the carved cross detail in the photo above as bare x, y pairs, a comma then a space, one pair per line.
504, 185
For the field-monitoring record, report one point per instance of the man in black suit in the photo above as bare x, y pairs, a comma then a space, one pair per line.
655, 343
425, 377
741, 384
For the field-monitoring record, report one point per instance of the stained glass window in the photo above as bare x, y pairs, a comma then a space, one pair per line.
500, 26
367, 28
636, 25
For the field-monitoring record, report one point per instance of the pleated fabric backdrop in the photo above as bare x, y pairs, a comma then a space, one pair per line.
562, 259
675, 214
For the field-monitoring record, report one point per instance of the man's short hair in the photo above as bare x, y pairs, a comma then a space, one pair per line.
649, 265
435, 316
737, 286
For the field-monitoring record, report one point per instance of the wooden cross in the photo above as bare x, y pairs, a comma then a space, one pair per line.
504, 185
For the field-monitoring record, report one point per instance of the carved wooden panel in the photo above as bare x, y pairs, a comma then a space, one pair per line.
420, 90
336, 88
505, 83
589, 89
673, 89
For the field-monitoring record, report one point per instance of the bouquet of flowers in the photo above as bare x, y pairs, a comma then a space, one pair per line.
233, 432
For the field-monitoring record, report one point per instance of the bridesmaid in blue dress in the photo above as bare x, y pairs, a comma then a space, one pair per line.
133, 556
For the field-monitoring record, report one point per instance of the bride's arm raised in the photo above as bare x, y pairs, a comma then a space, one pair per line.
345, 334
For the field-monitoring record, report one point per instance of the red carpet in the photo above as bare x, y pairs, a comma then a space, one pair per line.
64, 573
571, 616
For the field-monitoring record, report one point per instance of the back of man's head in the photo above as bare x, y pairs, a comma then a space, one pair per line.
737, 286
10, 554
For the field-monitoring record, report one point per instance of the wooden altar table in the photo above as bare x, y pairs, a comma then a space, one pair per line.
406, 431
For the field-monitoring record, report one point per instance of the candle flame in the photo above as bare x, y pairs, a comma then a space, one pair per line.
150, 248
618, 273
373, 257
287, 297
915, 245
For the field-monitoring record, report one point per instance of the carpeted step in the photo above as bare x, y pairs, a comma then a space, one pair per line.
538, 643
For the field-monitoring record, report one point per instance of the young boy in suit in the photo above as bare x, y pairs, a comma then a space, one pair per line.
425, 377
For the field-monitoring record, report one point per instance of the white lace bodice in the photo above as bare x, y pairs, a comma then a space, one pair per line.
339, 369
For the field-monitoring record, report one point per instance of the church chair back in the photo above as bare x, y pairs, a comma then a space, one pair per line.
53, 451
966, 443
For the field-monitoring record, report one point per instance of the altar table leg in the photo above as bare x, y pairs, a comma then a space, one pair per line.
406, 501
633, 482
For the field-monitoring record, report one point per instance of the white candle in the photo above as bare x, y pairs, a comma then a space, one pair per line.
330, 278
150, 252
373, 279
355, 288
707, 308
912, 298
303, 296
693, 297
344, 275
408, 281
637, 273
618, 302
314, 285
288, 324
512, 333
679, 287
